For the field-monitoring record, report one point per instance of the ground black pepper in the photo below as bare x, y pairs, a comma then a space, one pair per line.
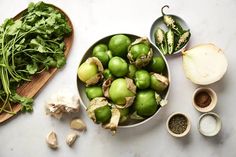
202, 99
178, 124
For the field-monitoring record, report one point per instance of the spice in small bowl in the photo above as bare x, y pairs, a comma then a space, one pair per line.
209, 124
178, 124
204, 99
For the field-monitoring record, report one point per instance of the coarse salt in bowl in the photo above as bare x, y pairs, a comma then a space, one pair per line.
209, 124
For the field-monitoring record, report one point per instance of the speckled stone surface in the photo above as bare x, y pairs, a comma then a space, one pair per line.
210, 22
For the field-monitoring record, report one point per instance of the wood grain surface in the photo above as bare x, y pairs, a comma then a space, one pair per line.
30, 89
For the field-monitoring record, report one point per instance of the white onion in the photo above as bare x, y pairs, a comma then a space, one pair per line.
204, 64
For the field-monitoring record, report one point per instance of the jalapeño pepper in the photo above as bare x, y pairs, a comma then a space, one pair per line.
160, 39
182, 40
171, 23
170, 41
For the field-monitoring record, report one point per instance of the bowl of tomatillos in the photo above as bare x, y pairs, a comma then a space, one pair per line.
123, 81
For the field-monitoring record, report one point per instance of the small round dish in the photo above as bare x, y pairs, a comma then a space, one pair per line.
204, 99
159, 23
178, 120
209, 124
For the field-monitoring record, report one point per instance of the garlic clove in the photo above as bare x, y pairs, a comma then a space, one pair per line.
71, 138
77, 124
51, 140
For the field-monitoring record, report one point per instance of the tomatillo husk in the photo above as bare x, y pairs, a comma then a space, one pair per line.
95, 104
159, 82
114, 121
122, 92
90, 72
140, 52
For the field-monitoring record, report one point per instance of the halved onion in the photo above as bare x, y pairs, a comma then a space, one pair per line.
204, 64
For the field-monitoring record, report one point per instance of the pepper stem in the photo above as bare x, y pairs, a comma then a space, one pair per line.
165, 6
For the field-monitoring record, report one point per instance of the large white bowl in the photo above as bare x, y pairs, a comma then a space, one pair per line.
81, 86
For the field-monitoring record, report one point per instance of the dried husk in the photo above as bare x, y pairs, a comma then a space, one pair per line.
106, 86
114, 121
95, 79
159, 100
129, 100
143, 60
162, 82
95, 104
135, 116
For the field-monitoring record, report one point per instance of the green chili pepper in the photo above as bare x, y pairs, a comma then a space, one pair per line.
183, 40
171, 23
170, 41
160, 39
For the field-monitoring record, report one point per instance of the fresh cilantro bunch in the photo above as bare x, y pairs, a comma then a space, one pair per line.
28, 46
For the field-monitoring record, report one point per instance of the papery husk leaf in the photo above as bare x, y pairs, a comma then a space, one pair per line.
114, 121
106, 86
143, 60
95, 79
95, 104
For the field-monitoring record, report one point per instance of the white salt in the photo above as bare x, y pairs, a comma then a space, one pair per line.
208, 124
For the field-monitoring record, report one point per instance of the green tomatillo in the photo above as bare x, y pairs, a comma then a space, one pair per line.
145, 103
157, 64
159, 82
118, 66
99, 110
90, 72
119, 44
100, 51
124, 114
142, 79
140, 52
107, 74
103, 114
93, 92
100, 48
132, 70
122, 92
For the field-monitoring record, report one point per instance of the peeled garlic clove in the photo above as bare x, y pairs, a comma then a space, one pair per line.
52, 140
204, 64
77, 124
71, 138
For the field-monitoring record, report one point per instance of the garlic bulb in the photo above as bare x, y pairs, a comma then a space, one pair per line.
62, 102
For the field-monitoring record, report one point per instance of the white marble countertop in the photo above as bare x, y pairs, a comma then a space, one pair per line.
210, 21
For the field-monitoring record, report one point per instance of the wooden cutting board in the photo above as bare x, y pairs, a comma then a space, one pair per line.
30, 89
